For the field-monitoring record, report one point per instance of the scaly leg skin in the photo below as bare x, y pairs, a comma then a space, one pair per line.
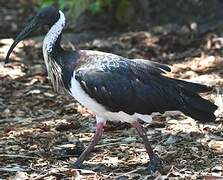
155, 162
94, 141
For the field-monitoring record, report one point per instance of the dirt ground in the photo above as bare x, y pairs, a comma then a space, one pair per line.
42, 132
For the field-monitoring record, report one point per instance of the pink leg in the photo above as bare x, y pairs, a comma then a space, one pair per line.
94, 141
155, 162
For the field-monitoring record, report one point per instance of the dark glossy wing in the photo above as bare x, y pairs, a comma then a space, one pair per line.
123, 85
134, 86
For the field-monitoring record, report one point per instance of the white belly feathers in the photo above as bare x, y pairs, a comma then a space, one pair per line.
83, 98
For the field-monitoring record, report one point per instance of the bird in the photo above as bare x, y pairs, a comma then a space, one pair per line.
113, 87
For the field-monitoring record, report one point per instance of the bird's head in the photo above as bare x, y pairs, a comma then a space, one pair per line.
47, 16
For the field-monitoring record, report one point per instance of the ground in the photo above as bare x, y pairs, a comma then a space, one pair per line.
43, 132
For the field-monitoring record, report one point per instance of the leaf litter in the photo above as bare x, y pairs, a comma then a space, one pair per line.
42, 132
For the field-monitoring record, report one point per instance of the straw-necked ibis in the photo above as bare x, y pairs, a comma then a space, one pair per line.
115, 88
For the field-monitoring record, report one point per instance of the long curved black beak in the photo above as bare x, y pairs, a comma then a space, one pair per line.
22, 35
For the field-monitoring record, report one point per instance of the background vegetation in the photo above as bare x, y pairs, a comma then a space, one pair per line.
140, 13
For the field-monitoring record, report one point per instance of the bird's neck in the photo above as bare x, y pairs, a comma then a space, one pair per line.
51, 42
51, 47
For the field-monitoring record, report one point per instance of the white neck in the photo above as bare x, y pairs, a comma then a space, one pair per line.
53, 69
52, 36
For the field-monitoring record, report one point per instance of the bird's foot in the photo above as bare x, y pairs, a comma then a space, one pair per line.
155, 164
77, 165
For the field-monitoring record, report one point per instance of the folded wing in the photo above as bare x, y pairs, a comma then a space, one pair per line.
134, 86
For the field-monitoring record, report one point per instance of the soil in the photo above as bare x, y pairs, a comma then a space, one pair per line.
43, 132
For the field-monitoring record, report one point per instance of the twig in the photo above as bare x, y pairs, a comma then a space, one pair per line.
45, 175
119, 141
111, 144
130, 172
17, 156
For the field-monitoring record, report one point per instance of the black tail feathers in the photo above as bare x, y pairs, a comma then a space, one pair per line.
194, 87
198, 108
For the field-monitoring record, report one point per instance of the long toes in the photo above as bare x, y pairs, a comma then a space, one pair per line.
155, 164
77, 165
